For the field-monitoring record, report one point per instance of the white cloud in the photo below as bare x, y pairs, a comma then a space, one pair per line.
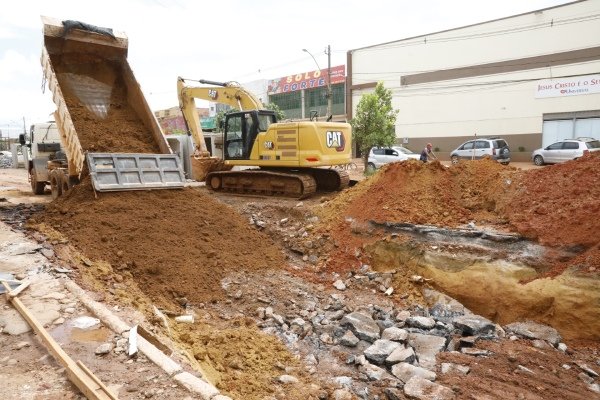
15, 66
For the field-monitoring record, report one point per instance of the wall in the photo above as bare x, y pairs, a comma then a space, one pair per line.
482, 79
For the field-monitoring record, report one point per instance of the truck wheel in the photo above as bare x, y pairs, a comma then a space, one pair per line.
36, 187
55, 186
64, 184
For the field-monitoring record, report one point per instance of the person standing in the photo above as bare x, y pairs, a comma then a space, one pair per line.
427, 154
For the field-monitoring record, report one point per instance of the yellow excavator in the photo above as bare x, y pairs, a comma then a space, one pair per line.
290, 156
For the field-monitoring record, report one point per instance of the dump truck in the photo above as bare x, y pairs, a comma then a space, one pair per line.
290, 156
106, 127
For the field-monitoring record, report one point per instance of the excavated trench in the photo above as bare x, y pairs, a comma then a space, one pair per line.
497, 276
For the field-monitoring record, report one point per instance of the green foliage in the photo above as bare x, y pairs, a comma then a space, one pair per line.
373, 124
278, 111
220, 118
521, 149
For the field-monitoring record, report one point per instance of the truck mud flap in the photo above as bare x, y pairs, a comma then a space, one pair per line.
124, 171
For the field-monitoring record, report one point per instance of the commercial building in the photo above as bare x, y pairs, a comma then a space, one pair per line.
300, 94
532, 79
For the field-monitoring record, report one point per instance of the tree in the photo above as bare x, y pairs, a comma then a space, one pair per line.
373, 124
220, 118
278, 111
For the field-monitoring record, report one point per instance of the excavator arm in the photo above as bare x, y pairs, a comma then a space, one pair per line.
229, 93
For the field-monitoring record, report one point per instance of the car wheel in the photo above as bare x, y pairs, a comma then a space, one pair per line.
505, 163
370, 168
454, 159
538, 160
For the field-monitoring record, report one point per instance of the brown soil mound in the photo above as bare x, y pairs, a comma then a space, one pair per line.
96, 96
499, 376
430, 193
559, 204
175, 243
554, 205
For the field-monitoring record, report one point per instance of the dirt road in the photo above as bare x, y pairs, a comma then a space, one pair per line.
307, 299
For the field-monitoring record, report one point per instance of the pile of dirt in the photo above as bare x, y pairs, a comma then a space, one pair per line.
97, 99
174, 243
243, 362
554, 205
429, 193
558, 204
549, 374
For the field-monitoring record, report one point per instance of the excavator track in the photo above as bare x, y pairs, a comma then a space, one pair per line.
263, 183
329, 180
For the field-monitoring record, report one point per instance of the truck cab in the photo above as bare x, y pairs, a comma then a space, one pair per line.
44, 145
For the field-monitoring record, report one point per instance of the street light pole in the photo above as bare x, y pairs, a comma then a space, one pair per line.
329, 96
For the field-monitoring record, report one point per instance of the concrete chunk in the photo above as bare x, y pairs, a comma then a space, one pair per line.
401, 354
533, 330
405, 371
472, 325
380, 350
426, 347
422, 389
363, 326
395, 334
420, 322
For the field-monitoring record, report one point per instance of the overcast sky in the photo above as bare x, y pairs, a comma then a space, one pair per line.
221, 40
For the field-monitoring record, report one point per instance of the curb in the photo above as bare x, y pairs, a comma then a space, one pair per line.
191, 382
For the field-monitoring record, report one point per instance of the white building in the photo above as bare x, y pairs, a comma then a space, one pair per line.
532, 79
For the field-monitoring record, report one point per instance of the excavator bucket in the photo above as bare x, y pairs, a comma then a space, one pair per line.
202, 166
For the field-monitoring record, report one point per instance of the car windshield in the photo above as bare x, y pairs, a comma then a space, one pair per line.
594, 144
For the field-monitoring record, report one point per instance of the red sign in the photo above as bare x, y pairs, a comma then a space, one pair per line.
307, 80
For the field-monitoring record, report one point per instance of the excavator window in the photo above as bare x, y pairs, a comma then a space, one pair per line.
241, 131
234, 137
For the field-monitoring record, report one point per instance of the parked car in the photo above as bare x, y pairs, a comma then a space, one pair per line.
565, 150
379, 156
495, 148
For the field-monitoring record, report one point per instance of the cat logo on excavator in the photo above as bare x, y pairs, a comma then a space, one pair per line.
335, 140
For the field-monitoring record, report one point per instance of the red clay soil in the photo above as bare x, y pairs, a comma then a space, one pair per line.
499, 376
175, 243
121, 130
554, 205
559, 204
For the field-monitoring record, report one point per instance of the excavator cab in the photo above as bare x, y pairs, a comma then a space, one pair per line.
241, 130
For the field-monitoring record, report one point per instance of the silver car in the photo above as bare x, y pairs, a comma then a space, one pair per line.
565, 150
381, 156
495, 148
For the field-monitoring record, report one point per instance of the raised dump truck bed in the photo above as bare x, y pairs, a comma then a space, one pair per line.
101, 109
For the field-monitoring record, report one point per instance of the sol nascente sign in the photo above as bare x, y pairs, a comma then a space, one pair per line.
306, 80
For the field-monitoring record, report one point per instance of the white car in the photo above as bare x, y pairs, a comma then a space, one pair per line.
380, 156
565, 150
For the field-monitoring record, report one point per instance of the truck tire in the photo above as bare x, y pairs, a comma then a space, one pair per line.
64, 184
55, 185
36, 187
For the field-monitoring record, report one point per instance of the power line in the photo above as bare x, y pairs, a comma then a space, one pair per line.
424, 39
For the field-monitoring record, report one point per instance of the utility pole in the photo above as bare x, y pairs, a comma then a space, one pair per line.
329, 94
